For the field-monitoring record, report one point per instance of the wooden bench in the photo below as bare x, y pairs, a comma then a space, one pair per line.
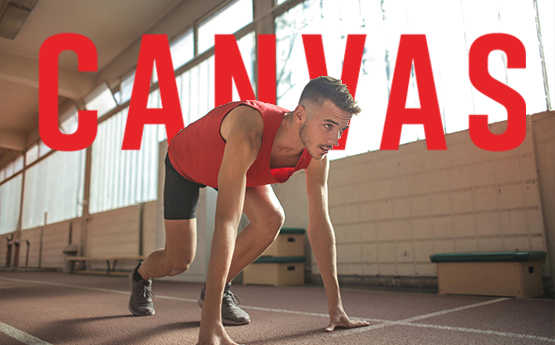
515, 274
110, 268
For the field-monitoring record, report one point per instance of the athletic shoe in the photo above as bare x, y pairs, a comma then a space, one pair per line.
232, 315
140, 302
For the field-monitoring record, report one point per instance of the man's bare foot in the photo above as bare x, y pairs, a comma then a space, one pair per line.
215, 335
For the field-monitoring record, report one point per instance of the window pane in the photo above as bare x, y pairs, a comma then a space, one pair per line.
32, 154
228, 20
10, 199
449, 38
9, 169
126, 88
122, 178
182, 50
43, 149
102, 103
69, 126
18, 164
54, 191
546, 8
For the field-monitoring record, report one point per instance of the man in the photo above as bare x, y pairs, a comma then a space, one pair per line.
240, 148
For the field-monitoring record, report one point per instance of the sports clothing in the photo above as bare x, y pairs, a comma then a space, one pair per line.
196, 152
181, 196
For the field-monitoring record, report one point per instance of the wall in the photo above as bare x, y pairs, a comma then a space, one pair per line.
544, 145
46, 244
392, 209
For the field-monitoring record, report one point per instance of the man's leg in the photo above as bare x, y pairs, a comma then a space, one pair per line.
266, 217
174, 259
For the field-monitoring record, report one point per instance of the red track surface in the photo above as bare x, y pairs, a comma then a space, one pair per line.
75, 309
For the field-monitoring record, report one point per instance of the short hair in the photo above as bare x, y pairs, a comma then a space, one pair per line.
322, 88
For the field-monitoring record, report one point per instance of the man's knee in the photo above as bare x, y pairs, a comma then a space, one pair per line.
176, 266
273, 223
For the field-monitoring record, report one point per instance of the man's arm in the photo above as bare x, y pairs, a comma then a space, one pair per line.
322, 240
243, 142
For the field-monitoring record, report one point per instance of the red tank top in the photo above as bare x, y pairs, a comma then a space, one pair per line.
196, 152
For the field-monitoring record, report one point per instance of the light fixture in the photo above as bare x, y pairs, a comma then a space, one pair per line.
13, 14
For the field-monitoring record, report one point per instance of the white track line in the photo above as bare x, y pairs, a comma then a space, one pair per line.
388, 323
21, 336
380, 323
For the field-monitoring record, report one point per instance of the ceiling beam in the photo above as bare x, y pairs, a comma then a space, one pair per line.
25, 71
12, 140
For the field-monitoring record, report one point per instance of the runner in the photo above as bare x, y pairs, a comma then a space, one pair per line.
240, 149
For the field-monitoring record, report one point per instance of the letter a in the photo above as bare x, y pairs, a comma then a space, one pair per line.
153, 48
413, 48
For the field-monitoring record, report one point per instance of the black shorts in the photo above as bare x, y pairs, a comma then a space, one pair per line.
180, 195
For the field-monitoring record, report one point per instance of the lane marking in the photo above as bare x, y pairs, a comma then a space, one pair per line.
380, 323
21, 336
481, 331
388, 323
452, 310
95, 289
184, 299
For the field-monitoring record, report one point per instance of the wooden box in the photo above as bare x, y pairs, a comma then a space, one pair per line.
514, 274
290, 242
275, 271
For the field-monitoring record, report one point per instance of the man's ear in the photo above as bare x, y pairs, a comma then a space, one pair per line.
299, 114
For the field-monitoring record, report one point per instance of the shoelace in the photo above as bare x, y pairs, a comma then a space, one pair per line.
147, 291
233, 296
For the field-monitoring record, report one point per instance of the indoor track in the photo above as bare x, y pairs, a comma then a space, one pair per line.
55, 308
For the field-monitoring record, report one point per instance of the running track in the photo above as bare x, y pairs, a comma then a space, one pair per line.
54, 308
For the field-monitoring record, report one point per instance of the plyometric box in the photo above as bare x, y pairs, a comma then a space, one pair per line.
290, 242
514, 274
275, 271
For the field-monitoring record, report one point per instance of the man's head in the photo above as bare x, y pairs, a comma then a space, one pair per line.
322, 88
324, 111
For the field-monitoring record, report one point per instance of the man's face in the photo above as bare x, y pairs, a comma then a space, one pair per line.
322, 127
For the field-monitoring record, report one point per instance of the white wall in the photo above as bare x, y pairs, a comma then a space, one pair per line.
392, 209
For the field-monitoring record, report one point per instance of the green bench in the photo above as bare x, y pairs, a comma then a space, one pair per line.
515, 274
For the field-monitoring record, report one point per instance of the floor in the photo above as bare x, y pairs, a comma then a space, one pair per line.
56, 308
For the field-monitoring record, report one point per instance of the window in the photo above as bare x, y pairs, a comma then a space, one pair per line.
56, 192
227, 20
449, 37
43, 149
18, 164
126, 88
101, 100
8, 170
10, 200
182, 50
32, 154
122, 178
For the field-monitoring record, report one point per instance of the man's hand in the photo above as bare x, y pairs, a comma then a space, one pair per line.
340, 319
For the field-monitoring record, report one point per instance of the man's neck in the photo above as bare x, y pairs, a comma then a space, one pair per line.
287, 141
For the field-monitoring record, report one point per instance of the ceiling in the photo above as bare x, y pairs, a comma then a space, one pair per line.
113, 25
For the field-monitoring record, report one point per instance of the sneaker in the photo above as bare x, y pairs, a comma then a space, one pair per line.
140, 302
232, 315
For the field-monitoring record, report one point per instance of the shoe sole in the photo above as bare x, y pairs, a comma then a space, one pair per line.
226, 322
